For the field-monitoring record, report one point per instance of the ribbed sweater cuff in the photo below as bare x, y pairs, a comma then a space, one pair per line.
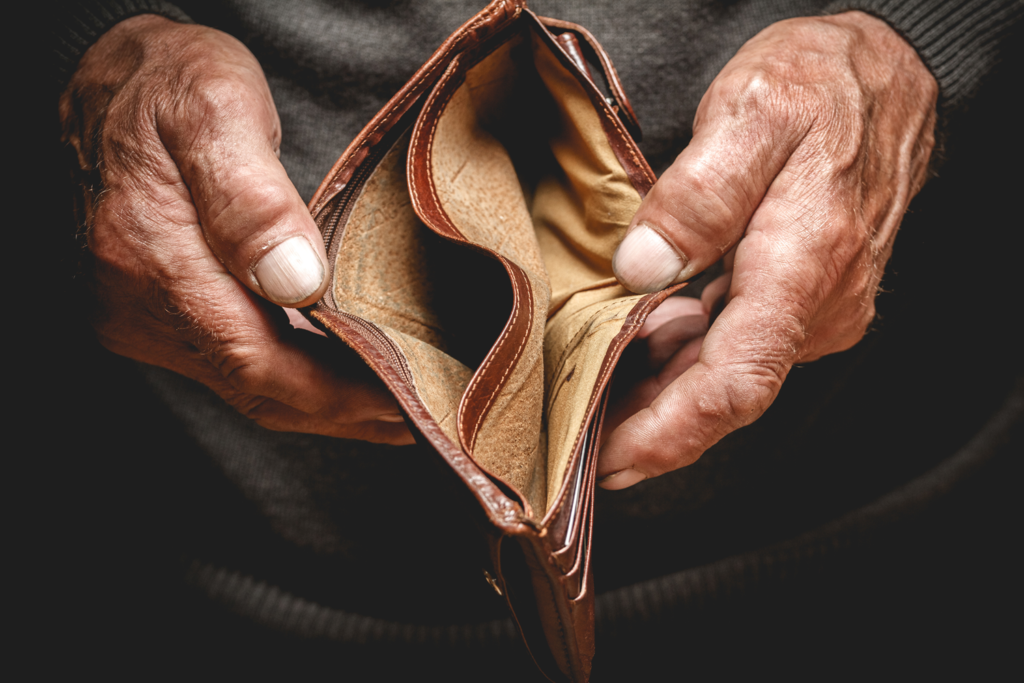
80, 24
958, 40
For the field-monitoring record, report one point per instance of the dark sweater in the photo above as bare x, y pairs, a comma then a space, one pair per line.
275, 539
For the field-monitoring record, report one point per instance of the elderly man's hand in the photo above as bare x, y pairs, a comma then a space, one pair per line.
807, 149
198, 237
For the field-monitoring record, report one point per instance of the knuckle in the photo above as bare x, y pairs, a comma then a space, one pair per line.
244, 212
753, 392
709, 203
768, 98
227, 347
661, 460
749, 92
253, 407
656, 455
218, 95
115, 230
745, 395
243, 375
103, 239
759, 95
272, 200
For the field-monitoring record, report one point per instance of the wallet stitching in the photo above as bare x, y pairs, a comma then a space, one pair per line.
439, 108
602, 376
429, 154
613, 119
476, 379
630, 148
439, 63
515, 359
388, 118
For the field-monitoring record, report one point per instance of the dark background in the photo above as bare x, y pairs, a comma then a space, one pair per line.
932, 593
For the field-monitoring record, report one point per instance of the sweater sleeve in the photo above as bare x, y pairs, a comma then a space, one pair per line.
960, 41
77, 25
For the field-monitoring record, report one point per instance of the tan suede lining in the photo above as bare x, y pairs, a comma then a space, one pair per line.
440, 380
533, 178
579, 226
478, 187
381, 275
381, 270
574, 348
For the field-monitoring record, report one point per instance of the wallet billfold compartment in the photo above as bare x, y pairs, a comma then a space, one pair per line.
469, 230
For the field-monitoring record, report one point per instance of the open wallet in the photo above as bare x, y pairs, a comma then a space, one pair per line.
470, 229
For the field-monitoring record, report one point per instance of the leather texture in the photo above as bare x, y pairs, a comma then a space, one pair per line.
469, 230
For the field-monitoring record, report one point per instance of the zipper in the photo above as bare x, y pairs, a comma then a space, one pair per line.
382, 343
343, 208
339, 217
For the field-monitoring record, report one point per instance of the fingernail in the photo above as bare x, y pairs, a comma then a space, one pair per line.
291, 271
621, 480
645, 262
395, 417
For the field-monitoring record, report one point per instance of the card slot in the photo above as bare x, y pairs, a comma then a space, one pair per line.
518, 162
442, 303
519, 211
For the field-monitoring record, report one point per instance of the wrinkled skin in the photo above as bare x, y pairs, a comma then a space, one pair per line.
177, 139
807, 150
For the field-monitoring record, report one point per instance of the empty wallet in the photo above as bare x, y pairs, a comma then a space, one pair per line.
469, 230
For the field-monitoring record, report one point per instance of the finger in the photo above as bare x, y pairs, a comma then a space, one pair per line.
300, 323
261, 355
701, 205
743, 362
223, 134
249, 349
280, 417
641, 394
669, 309
202, 323
716, 290
387, 427
673, 335
334, 392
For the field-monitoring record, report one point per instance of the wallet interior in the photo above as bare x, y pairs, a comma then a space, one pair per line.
521, 165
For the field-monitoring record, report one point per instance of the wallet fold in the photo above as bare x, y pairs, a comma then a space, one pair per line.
469, 230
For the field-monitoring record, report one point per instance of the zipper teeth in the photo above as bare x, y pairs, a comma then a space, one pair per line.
384, 344
339, 216
344, 203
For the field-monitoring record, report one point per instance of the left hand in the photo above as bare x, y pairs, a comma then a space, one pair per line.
807, 150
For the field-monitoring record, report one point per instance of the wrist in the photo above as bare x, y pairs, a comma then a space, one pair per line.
79, 25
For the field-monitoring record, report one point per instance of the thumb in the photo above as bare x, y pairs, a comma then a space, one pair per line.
700, 207
224, 140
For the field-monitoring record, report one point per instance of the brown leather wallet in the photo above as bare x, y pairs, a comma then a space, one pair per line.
469, 230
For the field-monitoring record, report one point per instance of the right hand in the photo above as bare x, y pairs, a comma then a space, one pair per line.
198, 237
